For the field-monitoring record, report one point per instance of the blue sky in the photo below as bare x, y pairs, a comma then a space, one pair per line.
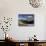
24, 16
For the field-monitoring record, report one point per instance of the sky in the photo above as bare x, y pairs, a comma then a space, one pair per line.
25, 16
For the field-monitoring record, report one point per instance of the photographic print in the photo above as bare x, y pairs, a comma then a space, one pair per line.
26, 19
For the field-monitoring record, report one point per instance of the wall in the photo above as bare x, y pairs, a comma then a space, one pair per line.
11, 8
